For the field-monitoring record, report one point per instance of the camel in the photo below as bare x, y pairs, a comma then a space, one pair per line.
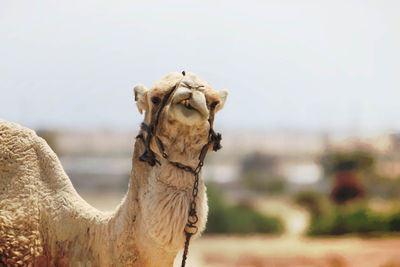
44, 222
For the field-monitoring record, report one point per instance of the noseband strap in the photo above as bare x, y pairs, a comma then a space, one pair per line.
148, 155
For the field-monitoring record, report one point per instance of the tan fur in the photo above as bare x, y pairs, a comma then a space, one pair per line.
44, 222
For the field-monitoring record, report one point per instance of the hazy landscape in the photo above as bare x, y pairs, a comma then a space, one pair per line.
309, 173
283, 166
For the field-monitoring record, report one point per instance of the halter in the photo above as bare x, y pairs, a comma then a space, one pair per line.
150, 157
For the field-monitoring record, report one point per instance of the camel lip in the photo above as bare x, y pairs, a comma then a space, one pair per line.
191, 106
186, 103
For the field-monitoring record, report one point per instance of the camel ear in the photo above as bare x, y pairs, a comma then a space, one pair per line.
140, 92
223, 94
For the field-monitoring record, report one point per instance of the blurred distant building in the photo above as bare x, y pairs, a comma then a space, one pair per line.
396, 142
303, 173
386, 149
94, 161
281, 143
388, 168
221, 173
382, 144
261, 163
102, 160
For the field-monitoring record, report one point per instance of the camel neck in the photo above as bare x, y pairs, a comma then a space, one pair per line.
155, 210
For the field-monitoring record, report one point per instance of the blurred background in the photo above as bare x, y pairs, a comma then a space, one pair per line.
310, 170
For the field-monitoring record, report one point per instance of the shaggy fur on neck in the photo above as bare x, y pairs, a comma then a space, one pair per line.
44, 222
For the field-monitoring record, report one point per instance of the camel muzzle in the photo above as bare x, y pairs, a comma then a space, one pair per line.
190, 100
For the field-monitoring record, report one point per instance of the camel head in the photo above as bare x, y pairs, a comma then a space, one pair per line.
184, 120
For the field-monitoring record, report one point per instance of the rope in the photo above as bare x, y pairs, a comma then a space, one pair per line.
186, 249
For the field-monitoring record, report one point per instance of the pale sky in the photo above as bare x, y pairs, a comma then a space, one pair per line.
310, 65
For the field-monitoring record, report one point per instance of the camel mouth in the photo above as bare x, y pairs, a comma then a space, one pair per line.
189, 108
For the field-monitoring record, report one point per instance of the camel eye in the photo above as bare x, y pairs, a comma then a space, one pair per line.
214, 104
155, 100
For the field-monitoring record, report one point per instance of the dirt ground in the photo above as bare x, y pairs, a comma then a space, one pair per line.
292, 249
260, 251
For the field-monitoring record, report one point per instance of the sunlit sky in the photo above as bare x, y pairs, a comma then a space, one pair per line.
305, 65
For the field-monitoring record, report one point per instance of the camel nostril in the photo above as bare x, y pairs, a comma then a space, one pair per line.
156, 100
214, 104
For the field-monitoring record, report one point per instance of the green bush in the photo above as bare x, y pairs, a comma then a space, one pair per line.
355, 218
225, 218
343, 222
314, 202
394, 222
358, 160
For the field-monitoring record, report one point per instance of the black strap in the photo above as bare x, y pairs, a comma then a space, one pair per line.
163, 104
149, 155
